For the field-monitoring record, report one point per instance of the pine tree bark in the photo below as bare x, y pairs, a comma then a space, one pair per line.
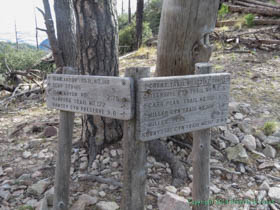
97, 39
139, 22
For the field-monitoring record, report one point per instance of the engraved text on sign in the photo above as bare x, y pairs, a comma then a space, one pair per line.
177, 105
96, 95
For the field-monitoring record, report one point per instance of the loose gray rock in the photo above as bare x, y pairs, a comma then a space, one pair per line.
269, 151
245, 128
237, 153
272, 140
186, 191
50, 131
215, 189
171, 189
277, 134
249, 194
238, 116
84, 201
264, 185
39, 188
261, 195
104, 205
233, 107
113, 153
249, 142
274, 193
106, 160
102, 194
6, 195
230, 137
1, 171
26, 154
260, 135
266, 164
172, 201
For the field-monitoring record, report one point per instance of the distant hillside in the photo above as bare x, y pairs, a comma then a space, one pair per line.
4, 45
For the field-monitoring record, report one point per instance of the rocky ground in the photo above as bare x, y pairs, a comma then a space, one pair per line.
245, 153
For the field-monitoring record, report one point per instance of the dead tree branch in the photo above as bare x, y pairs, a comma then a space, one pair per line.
57, 54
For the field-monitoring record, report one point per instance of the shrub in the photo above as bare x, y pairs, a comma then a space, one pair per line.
249, 20
18, 59
224, 10
122, 21
127, 36
269, 128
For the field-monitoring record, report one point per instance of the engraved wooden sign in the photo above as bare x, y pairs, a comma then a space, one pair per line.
177, 105
97, 95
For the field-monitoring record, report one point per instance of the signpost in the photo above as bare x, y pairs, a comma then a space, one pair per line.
95, 95
152, 108
175, 105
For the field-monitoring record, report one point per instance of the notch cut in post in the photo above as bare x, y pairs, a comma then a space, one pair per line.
201, 157
135, 156
63, 162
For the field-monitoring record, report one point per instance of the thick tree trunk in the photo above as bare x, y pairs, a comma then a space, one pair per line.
66, 30
183, 36
97, 38
139, 22
183, 42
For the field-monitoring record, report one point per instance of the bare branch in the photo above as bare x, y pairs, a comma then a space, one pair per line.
41, 29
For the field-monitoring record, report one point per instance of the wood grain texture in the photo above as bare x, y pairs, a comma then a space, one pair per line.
201, 156
175, 105
184, 35
63, 160
96, 95
135, 156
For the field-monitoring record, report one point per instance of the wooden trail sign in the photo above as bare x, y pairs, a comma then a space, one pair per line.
97, 95
175, 105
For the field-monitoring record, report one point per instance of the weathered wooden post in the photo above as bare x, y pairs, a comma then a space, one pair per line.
63, 161
134, 160
201, 157
105, 96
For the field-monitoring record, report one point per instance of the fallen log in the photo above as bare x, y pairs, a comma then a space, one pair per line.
7, 88
260, 41
261, 3
253, 5
255, 22
260, 11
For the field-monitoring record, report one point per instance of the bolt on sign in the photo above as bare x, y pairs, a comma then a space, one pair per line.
96, 95
168, 106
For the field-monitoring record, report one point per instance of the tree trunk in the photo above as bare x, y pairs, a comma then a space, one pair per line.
97, 38
183, 35
66, 30
183, 42
139, 22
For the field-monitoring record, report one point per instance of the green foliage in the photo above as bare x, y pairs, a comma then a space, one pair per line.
122, 21
269, 128
152, 14
25, 208
18, 59
223, 11
249, 20
127, 36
